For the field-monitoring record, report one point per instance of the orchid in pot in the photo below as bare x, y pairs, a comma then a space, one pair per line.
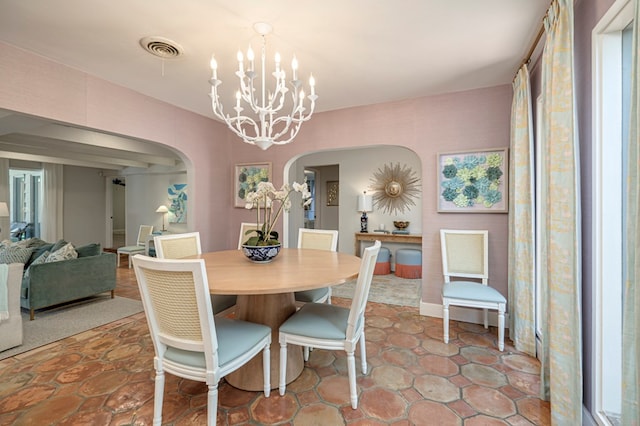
269, 204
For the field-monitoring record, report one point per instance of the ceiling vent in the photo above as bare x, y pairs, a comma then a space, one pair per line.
161, 47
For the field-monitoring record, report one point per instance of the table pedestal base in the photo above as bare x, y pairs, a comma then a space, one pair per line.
271, 310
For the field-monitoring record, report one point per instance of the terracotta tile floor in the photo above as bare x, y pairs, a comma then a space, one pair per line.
105, 377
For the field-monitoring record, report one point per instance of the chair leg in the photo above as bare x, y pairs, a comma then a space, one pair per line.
501, 329
351, 364
445, 321
329, 295
266, 368
282, 384
158, 395
486, 318
129, 259
118, 259
306, 353
363, 354
212, 405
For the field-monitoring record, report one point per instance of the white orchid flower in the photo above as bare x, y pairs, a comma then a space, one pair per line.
274, 202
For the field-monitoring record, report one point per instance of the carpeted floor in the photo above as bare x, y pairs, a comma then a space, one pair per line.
386, 289
67, 320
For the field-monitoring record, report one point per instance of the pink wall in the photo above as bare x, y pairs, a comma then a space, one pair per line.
33, 85
458, 121
446, 123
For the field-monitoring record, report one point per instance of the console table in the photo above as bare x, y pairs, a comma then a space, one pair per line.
388, 238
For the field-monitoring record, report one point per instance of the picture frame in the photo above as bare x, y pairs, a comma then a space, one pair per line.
474, 181
177, 195
246, 177
333, 192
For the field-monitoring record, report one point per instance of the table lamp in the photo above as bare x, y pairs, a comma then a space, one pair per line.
4, 210
365, 204
163, 210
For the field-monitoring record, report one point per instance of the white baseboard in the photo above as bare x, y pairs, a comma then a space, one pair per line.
458, 313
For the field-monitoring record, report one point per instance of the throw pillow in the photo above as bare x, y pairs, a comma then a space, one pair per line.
36, 242
92, 249
58, 245
37, 252
40, 259
65, 253
22, 243
14, 254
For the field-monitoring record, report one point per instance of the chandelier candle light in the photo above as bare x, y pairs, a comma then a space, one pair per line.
265, 127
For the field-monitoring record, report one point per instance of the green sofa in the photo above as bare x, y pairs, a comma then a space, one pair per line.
49, 284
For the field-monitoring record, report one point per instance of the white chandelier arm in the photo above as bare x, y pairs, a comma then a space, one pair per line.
234, 123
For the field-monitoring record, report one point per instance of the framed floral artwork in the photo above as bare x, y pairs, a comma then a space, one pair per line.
473, 181
246, 177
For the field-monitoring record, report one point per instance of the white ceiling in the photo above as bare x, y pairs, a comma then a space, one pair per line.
359, 51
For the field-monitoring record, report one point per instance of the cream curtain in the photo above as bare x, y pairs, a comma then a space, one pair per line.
52, 202
521, 226
5, 223
631, 295
561, 371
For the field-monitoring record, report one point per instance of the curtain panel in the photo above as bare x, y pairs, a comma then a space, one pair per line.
5, 223
521, 226
561, 357
52, 202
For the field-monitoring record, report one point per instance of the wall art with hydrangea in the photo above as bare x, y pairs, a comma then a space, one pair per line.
247, 176
473, 181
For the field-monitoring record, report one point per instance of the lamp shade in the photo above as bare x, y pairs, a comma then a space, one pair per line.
4, 210
162, 209
365, 202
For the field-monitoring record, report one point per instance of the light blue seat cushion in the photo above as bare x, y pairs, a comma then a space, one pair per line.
309, 296
408, 257
468, 290
131, 249
383, 255
318, 320
234, 339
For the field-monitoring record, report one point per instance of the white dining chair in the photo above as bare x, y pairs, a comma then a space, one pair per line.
178, 246
465, 255
319, 239
325, 326
187, 340
143, 232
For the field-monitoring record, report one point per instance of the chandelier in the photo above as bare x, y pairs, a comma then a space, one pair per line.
264, 123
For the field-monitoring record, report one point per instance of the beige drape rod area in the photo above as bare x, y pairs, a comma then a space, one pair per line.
532, 49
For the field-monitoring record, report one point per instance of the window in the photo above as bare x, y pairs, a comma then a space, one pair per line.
25, 192
611, 77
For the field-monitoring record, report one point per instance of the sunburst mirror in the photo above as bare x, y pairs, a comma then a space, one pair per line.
395, 188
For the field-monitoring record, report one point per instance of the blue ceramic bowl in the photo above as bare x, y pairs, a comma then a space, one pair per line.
261, 254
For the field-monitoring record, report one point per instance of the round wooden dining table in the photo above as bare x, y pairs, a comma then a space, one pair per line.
266, 295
